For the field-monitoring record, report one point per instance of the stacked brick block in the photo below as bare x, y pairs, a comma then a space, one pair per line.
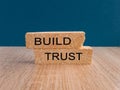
59, 47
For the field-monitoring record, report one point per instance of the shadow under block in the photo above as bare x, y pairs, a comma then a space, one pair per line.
83, 55
56, 40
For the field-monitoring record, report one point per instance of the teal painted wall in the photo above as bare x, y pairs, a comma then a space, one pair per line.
100, 19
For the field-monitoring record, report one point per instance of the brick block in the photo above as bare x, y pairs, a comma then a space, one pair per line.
83, 55
55, 40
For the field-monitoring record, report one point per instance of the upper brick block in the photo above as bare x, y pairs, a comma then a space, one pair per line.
55, 40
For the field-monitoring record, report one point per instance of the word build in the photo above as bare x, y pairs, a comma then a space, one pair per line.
52, 41
59, 47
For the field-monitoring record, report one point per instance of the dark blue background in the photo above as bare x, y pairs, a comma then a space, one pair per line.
100, 19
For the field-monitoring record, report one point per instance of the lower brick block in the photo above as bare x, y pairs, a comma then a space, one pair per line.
82, 55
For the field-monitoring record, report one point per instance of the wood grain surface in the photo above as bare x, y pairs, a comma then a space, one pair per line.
18, 71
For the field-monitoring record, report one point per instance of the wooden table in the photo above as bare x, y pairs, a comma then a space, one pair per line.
18, 71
